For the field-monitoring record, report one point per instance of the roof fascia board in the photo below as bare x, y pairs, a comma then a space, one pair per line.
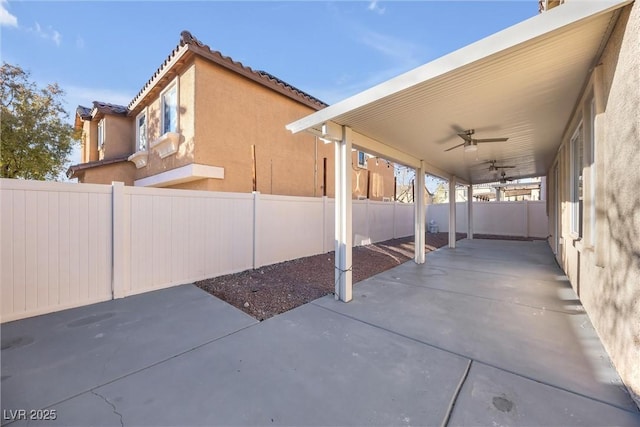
501, 42
385, 151
166, 69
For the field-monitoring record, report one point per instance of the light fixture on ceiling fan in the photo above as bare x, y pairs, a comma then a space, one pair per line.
471, 144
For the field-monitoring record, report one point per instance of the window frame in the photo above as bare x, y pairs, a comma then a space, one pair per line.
361, 164
144, 114
163, 125
576, 147
593, 226
101, 134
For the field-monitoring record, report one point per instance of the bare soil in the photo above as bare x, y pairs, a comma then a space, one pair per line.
274, 289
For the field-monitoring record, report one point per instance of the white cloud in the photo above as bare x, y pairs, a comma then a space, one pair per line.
405, 52
79, 42
46, 33
345, 86
374, 7
6, 18
80, 95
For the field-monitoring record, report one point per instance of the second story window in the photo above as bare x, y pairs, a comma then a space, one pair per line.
101, 134
170, 109
141, 132
362, 160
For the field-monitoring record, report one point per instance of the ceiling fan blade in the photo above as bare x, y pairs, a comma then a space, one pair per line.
504, 167
465, 136
459, 145
491, 140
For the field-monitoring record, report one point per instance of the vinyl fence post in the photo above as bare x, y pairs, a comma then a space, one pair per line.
526, 218
324, 224
395, 218
256, 229
120, 241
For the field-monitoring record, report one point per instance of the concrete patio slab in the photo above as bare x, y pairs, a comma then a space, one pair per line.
464, 331
494, 397
305, 367
49, 358
555, 294
553, 347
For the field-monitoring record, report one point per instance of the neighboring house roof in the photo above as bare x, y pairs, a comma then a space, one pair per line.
190, 44
86, 113
106, 108
74, 169
83, 112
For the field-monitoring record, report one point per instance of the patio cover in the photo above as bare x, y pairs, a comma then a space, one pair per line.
522, 83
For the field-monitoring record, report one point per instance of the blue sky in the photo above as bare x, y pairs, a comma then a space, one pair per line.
107, 50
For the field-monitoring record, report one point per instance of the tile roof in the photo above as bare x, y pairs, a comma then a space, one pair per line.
83, 112
106, 108
189, 43
74, 169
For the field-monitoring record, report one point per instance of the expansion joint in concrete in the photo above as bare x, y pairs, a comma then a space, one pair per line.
454, 398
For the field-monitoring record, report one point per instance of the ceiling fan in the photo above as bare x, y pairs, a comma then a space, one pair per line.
471, 144
494, 168
504, 178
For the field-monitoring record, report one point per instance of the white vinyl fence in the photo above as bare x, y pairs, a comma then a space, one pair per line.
65, 245
523, 218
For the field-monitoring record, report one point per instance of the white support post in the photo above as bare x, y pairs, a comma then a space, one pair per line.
419, 215
452, 212
343, 213
470, 212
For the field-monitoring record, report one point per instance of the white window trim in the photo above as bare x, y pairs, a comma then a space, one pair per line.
175, 82
101, 134
593, 227
364, 155
146, 130
574, 226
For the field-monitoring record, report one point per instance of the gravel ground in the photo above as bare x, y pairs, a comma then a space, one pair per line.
274, 289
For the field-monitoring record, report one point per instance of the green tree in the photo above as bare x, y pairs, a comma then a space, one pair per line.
35, 136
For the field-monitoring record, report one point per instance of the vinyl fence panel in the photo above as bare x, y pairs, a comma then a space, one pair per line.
56, 246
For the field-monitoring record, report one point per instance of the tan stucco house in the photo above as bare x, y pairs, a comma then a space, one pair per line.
206, 122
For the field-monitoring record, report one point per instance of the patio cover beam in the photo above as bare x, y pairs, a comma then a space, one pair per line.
522, 81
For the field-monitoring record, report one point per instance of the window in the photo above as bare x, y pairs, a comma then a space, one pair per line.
576, 181
362, 159
101, 134
170, 109
141, 132
592, 177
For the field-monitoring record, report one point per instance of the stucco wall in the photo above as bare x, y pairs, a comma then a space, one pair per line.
234, 113
89, 141
186, 117
604, 265
106, 174
118, 138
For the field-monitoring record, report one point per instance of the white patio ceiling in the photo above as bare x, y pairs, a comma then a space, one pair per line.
521, 83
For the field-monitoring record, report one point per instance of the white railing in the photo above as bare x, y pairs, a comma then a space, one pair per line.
66, 245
